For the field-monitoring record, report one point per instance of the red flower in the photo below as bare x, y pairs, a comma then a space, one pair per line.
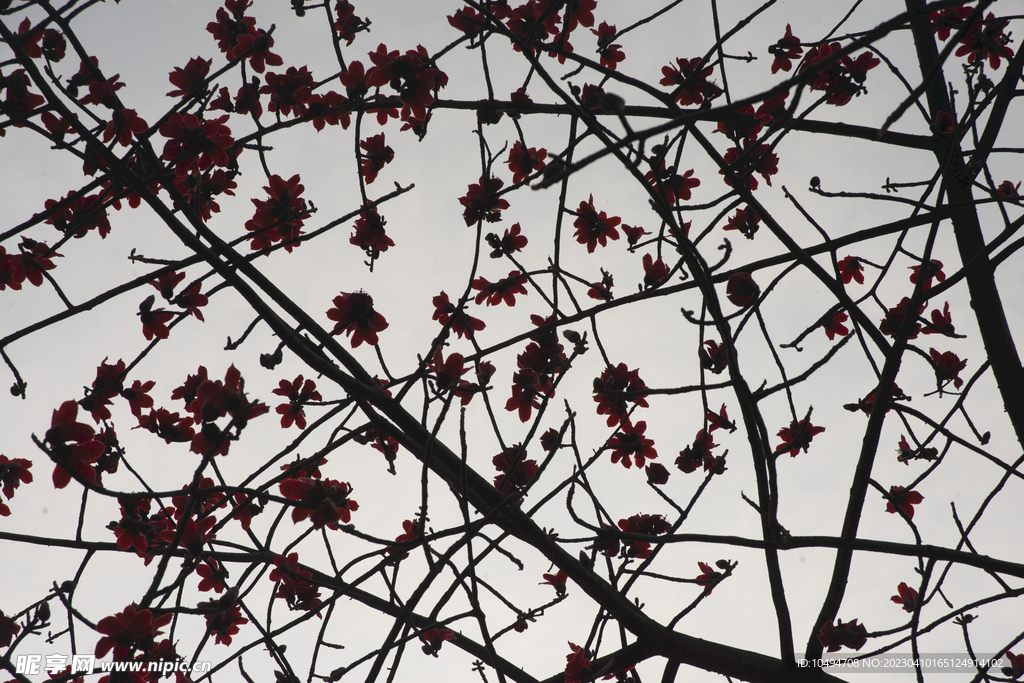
894, 319
1016, 667
256, 46
907, 597
648, 525
633, 234
611, 54
1007, 190
745, 221
502, 290
354, 314
8, 629
557, 581
691, 79
947, 367
73, 446
947, 20
123, 123
324, 502
289, 92
743, 161
482, 203
602, 291
630, 444
13, 473
154, 323
196, 145
577, 667
835, 326
655, 272
348, 24
369, 233
229, 28
280, 217
509, 243
296, 589
849, 634
698, 455
466, 20
708, 578
715, 358
376, 155
192, 300
355, 81
719, 420
517, 471
657, 474
787, 49
20, 101
213, 576
328, 109
79, 215
223, 617
942, 322
298, 394
462, 324
245, 508
927, 271
411, 534
523, 162
35, 257
669, 183
190, 81
617, 386
902, 499
199, 191
742, 290
797, 436
434, 638
986, 40
850, 268
128, 631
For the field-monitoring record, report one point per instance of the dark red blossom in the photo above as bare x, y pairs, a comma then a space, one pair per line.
230, 27
72, 446
691, 80
223, 617
213, 575
78, 215
947, 20
325, 502
524, 162
196, 145
986, 40
906, 597
192, 299
410, 534
698, 454
850, 269
655, 271
354, 315
199, 191
13, 473
669, 183
328, 109
611, 53
747, 159
745, 221
902, 499
35, 257
433, 639
719, 420
577, 666
715, 357
280, 217
191, 80
289, 92
295, 586
834, 326
503, 290
947, 367
170, 427
644, 524
617, 386
797, 437
708, 577
602, 291
557, 581
516, 471
893, 320
657, 474
629, 444
849, 634
129, 631
787, 49
8, 629
593, 227
512, 241
942, 322
481, 202
741, 289
413, 75
154, 322
255, 45
925, 272
466, 20
348, 24
1007, 190
355, 81
369, 233
298, 393
124, 123
462, 324
375, 155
